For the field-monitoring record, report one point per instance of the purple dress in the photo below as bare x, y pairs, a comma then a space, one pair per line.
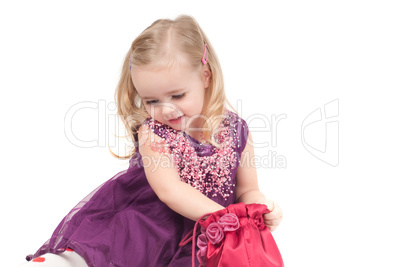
123, 222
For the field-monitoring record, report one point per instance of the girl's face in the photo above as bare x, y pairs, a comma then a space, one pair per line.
173, 95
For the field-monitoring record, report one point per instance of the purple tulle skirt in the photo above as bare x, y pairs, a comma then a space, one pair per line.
123, 222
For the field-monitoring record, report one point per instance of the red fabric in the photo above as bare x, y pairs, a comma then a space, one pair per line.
39, 259
251, 245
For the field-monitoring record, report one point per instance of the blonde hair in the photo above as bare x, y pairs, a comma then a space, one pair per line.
187, 37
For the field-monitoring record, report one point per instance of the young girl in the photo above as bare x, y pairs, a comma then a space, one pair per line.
191, 156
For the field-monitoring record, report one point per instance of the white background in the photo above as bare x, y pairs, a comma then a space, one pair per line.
278, 57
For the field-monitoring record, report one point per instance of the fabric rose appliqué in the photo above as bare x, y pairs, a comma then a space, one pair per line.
215, 233
229, 222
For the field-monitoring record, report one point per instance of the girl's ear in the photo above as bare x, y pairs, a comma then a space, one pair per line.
206, 75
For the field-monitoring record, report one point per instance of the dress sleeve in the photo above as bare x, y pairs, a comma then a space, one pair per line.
240, 130
160, 129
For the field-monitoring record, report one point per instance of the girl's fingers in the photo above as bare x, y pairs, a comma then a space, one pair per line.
273, 215
272, 219
273, 222
272, 228
270, 204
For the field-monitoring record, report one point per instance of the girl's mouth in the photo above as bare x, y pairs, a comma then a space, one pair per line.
177, 120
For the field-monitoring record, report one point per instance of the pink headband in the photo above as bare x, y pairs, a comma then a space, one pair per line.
204, 59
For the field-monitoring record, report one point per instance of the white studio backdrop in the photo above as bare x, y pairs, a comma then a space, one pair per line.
317, 82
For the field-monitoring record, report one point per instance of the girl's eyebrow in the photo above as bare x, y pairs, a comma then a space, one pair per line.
168, 93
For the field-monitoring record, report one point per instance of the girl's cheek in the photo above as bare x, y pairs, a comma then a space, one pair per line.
148, 109
152, 111
188, 103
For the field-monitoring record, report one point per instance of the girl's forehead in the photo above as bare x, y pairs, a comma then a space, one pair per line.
152, 80
155, 74
169, 62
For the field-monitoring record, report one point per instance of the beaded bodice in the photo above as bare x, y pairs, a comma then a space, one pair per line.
205, 167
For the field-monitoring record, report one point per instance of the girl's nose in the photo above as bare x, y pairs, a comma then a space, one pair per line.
170, 111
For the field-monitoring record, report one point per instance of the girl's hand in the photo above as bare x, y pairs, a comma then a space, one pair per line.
272, 219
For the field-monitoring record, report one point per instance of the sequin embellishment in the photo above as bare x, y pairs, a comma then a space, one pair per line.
211, 175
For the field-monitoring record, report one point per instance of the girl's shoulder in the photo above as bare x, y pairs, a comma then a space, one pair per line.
238, 128
235, 120
158, 128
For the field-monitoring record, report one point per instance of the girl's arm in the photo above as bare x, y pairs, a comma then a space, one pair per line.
247, 190
165, 181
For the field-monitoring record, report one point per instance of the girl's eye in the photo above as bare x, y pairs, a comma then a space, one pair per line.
156, 101
149, 102
178, 96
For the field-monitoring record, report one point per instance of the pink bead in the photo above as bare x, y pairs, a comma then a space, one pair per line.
211, 175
